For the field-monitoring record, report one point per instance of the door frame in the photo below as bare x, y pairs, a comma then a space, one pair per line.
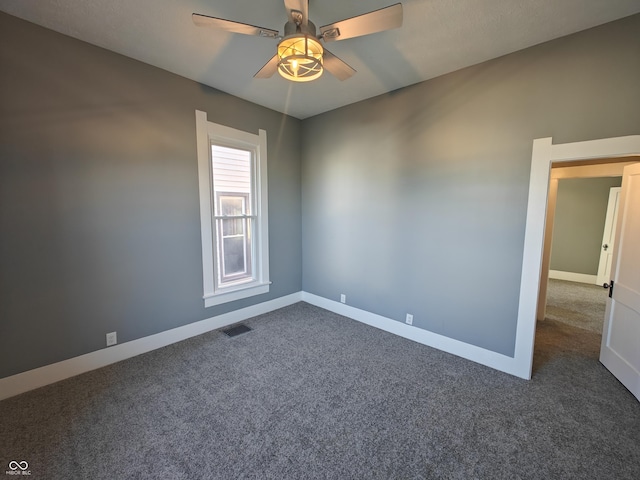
612, 168
610, 222
544, 153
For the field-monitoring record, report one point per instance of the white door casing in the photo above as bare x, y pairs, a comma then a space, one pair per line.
608, 237
620, 349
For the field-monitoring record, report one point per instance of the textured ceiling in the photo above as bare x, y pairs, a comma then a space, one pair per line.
437, 37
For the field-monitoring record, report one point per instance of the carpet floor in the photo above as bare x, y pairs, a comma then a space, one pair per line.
308, 394
577, 304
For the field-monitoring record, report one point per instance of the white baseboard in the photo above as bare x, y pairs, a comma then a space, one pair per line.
573, 277
476, 354
39, 377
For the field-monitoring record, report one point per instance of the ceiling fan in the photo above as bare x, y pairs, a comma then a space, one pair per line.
300, 57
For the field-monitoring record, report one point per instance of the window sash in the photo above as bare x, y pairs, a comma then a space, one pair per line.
248, 247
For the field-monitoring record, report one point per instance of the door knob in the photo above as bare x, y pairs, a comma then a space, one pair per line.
605, 285
605, 246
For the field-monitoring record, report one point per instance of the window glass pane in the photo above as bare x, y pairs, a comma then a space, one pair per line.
232, 177
234, 255
232, 227
234, 241
231, 205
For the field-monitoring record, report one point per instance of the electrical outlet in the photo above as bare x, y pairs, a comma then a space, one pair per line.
409, 319
112, 338
343, 298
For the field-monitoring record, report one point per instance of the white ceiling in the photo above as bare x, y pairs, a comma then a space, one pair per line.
437, 37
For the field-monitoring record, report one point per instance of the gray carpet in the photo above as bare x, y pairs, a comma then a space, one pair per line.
310, 394
578, 304
573, 323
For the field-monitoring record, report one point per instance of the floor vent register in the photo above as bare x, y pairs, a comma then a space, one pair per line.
237, 330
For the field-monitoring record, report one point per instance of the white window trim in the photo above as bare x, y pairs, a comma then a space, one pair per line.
208, 133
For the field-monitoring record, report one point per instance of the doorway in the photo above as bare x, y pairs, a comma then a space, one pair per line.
543, 155
572, 316
618, 333
574, 258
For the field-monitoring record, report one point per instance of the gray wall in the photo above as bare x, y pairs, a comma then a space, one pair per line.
581, 208
415, 201
99, 209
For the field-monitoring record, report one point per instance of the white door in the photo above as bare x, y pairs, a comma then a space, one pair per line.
608, 237
620, 349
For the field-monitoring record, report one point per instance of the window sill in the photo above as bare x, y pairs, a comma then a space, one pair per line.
245, 291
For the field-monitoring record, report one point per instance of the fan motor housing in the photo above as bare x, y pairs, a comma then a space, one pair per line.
291, 28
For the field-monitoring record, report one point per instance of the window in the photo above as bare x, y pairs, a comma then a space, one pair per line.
234, 213
232, 173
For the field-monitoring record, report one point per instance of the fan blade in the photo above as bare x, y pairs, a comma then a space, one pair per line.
336, 67
269, 68
230, 26
372, 22
301, 6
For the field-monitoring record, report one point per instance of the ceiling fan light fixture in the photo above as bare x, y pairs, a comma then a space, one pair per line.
300, 58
